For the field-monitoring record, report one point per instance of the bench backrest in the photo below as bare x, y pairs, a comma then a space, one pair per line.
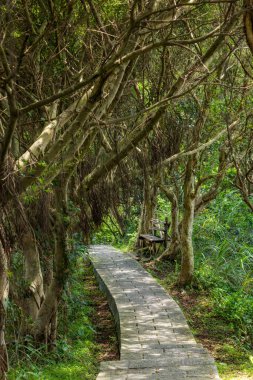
159, 227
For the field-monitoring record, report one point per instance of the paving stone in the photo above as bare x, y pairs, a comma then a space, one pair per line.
155, 340
112, 375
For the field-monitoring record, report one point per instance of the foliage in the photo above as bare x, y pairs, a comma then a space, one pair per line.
109, 233
224, 261
222, 288
94, 94
163, 208
75, 354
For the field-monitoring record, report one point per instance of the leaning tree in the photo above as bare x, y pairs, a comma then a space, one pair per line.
68, 69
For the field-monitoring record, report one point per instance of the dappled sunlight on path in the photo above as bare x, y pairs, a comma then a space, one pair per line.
155, 340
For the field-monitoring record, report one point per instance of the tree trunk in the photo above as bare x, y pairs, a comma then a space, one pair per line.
148, 205
52, 336
174, 247
187, 263
4, 292
34, 293
42, 326
187, 259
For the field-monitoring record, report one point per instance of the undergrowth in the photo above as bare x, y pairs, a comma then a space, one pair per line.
219, 303
224, 263
75, 354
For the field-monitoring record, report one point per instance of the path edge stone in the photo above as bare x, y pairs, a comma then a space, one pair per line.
111, 301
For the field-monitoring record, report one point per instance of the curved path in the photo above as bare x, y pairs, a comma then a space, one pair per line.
155, 340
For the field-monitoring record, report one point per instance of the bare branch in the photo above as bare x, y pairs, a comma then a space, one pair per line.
202, 147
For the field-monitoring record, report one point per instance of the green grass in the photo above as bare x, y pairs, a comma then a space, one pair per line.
80, 365
76, 353
220, 302
231, 350
237, 364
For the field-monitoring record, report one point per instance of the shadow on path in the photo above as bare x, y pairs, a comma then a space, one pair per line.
155, 340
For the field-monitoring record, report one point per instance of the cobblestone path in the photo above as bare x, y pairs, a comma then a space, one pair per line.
155, 340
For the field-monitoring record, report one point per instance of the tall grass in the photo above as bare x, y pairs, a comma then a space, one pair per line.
75, 354
223, 242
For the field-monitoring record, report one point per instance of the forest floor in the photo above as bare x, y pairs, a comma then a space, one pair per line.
87, 336
233, 359
102, 320
90, 336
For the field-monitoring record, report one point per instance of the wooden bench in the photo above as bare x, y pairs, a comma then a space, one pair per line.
151, 240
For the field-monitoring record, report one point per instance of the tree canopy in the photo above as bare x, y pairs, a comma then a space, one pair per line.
103, 106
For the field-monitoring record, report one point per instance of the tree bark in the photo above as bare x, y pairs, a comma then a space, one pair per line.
187, 263
34, 293
52, 336
41, 327
248, 22
148, 205
174, 247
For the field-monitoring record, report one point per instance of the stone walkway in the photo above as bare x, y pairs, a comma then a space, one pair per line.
155, 340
